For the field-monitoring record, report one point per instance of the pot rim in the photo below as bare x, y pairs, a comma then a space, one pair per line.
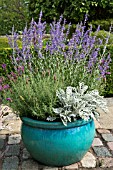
53, 125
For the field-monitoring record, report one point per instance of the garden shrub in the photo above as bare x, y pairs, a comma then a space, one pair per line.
104, 24
4, 42
12, 13
109, 79
103, 34
72, 10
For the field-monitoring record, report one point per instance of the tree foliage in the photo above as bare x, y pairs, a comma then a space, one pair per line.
72, 10
13, 13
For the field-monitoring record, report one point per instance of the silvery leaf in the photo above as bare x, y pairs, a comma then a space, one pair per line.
50, 118
96, 114
57, 110
79, 102
73, 115
64, 119
94, 93
60, 93
69, 119
82, 88
66, 112
69, 92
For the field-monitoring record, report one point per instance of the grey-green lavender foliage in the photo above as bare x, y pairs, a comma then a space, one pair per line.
33, 96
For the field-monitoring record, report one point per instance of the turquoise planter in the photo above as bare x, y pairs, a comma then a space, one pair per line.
54, 144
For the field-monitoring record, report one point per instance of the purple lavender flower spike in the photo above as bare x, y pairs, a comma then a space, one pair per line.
104, 66
58, 37
1, 80
8, 99
1, 88
81, 49
6, 87
20, 70
14, 75
4, 66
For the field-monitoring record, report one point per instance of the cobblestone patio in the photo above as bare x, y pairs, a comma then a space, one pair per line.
14, 156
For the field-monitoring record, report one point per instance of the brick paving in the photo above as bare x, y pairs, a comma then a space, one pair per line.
14, 156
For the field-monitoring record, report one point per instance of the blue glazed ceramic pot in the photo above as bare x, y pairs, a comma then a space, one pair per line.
54, 144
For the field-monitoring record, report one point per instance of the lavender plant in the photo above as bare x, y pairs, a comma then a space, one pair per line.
43, 67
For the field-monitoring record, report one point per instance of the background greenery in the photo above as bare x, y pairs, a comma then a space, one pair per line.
20, 12
73, 10
5, 54
13, 13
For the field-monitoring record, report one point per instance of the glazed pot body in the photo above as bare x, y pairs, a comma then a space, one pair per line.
54, 144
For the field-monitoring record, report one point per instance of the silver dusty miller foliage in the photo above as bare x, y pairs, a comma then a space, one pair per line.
78, 102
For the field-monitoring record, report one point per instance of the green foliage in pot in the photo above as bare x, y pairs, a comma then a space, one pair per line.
58, 83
